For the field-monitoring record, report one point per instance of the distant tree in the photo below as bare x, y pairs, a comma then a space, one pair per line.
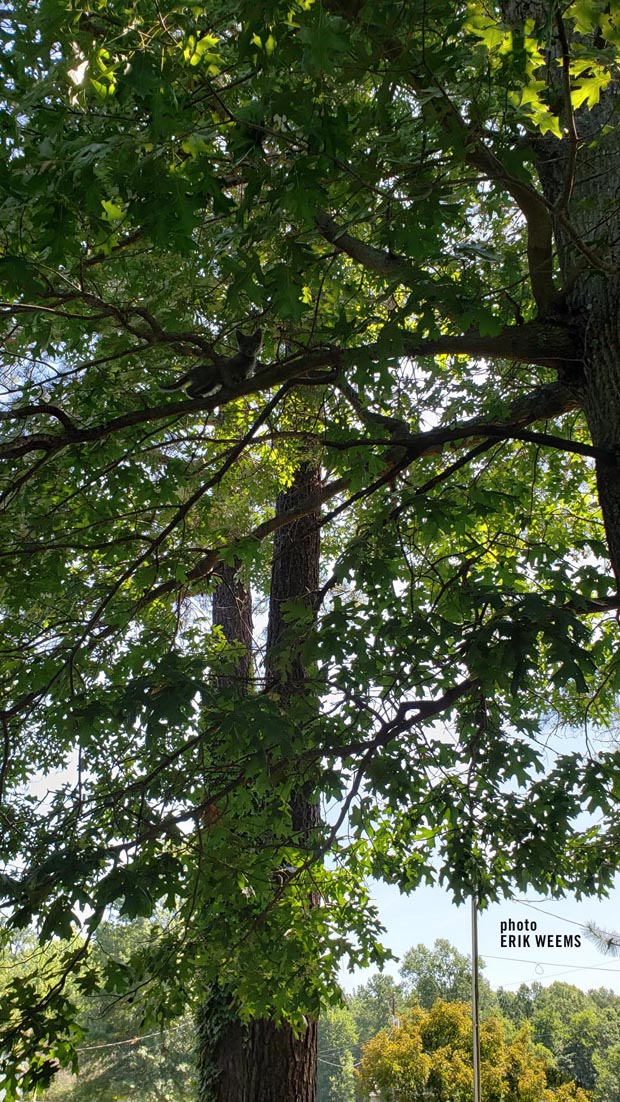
604, 997
554, 1008
374, 1003
529, 1068
442, 973
579, 1028
120, 1060
548, 1027
581, 1038
588, 1033
156, 1068
607, 1068
335, 1070
519, 1005
428, 1059
394, 1063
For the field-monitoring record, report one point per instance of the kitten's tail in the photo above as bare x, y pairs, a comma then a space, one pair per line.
178, 384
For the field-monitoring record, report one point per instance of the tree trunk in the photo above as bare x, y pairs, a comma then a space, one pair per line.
232, 611
262, 1062
593, 298
283, 1066
222, 1050
222, 1037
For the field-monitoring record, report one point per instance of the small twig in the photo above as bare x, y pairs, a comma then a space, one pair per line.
6, 754
573, 137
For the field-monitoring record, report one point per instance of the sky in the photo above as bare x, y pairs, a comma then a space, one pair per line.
429, 913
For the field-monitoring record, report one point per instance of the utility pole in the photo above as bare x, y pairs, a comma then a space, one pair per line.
475, 996
395, 1019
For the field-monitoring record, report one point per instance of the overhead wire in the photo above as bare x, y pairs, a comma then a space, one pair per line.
133, 1040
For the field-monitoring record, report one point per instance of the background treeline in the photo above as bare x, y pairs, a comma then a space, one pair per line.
567, 1040
553, 1042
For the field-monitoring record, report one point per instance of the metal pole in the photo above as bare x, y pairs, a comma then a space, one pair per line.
475, 996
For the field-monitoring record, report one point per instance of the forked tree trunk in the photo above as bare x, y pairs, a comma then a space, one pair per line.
262, 1062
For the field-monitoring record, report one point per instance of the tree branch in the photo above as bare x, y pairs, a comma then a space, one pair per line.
573, 138
23, 412
532, 205
539, 342
374, 260
424, 710
549, 400
436, 439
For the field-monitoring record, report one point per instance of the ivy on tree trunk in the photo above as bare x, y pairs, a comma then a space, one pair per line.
259, 1061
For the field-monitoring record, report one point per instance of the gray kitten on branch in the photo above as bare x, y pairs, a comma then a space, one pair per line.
206, 379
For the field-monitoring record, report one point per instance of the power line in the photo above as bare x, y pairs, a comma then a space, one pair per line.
342, 1067
561, 918
131, 1040
550, 964
554, 976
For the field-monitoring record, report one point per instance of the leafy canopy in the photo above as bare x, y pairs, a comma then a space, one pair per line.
428, 1055
358, 181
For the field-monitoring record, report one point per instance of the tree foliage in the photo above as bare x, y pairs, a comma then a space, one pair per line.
399, 197
118, 1060
442, 973
429, 1057
573, 1032
338, 1033
376, 1003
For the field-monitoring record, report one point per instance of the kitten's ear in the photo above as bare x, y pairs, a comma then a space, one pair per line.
249, 341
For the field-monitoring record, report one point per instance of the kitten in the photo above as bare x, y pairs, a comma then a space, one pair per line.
206, 379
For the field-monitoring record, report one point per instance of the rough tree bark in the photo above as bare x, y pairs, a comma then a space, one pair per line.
232, 611
222, 1037
283, 1066
262, 1062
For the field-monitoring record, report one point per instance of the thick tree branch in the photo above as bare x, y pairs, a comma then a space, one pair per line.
550, 345
542, 404
154, 333
539, 227
101, 257
483, 431
532, 205
22, 413
549, 400
374, 260
404, 720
